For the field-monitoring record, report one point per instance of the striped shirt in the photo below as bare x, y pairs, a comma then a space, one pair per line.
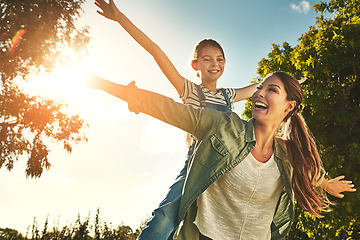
190, 95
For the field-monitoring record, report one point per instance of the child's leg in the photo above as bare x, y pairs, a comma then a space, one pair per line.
164, 219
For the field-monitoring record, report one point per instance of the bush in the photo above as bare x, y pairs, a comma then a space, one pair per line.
78, 231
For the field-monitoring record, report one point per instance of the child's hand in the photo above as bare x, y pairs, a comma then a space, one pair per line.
337, 185
91, 80
109, 10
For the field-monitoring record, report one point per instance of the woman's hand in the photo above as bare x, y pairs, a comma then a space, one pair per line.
109, 10
337, 186
303, 79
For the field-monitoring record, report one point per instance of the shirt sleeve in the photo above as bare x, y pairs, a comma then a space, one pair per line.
188, 88
192, 120
231, 94
321, 177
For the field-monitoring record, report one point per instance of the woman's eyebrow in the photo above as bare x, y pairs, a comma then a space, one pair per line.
274, 85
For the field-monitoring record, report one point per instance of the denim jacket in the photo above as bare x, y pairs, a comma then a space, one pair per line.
224, 141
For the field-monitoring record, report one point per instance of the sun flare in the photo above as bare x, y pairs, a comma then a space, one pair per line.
64, 83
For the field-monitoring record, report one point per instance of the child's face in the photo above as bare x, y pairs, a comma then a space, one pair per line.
210, 64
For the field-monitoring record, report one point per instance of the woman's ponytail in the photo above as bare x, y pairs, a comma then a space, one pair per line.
307, 167
303, 153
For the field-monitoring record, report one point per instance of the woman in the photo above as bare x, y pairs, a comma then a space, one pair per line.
220, 199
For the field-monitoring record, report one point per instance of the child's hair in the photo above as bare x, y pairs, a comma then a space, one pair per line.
303, 152
204, 43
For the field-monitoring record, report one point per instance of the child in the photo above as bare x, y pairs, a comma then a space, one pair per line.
209, 62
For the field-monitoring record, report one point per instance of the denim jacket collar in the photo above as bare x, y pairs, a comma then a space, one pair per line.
249, 131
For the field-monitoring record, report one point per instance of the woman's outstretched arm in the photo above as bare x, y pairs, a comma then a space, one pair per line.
194, 121
95, 82
110, 11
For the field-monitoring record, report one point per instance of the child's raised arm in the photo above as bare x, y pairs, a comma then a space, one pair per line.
110, 11
246, 92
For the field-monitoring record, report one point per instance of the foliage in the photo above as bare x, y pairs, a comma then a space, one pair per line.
79, 231
33, 34
10, 234
329, 56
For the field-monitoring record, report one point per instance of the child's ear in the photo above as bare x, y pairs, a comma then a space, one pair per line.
194, 65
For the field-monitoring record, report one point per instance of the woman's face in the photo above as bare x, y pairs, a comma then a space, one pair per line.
269, 102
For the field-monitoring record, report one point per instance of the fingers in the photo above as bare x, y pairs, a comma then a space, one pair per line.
348, 186
101, 13
352, 188
339, 178
338, 195
338, 185
106, 9
100, 4
303, 79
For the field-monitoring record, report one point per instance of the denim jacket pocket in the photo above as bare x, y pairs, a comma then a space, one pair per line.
218, 145
214, 152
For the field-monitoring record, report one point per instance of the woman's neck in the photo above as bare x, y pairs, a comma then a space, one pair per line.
264, 134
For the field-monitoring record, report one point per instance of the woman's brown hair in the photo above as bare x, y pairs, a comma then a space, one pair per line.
303, 153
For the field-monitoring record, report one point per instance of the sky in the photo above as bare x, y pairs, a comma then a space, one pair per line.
130, 160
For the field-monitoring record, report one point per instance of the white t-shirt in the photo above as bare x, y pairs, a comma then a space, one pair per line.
241, 204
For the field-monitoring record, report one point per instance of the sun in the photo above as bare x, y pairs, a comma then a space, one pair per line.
64, 83
68, 78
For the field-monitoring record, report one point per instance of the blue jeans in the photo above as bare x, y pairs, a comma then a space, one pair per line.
163, 222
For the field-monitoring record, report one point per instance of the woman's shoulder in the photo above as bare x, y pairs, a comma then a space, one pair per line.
240, 124
280, 147
280, 142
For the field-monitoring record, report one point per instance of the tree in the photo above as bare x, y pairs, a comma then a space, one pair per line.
10, 234
33, 34
329, 56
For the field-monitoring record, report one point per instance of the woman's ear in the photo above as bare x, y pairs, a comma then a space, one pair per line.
291, 106
194, 65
